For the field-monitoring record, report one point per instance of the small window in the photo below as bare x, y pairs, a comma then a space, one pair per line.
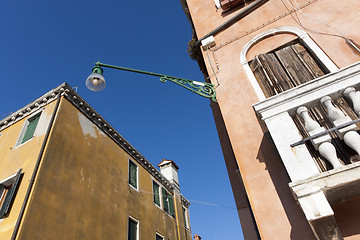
159, 237
185, 214
133, 231
168, 202
133, 174
29, 128
156, 192
7, 193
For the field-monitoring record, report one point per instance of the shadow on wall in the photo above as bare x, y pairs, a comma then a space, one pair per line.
268, 155
347, 217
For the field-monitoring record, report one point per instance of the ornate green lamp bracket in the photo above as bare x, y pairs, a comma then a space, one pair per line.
203, 89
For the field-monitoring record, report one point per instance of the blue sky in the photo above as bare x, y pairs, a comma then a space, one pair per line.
44, 43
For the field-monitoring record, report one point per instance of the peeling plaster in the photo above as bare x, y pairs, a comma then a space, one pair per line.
88, 128
43, 124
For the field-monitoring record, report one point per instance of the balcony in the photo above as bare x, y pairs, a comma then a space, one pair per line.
319, 151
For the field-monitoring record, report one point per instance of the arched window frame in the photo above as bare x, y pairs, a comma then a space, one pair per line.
304, 38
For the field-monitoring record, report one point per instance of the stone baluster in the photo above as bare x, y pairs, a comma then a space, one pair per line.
354, 96
321, 143
348, 134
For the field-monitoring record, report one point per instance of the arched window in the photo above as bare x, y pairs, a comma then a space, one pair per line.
287, 66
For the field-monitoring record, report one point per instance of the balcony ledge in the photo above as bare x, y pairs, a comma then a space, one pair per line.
338, 184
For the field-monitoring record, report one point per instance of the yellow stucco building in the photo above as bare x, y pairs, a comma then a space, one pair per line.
65, 173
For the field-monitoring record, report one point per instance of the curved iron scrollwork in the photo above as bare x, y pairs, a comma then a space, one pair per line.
201, 88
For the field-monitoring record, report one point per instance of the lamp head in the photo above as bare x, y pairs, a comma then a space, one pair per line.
96, 82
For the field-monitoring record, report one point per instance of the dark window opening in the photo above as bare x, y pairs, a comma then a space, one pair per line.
156, 192
133, 174
133, 230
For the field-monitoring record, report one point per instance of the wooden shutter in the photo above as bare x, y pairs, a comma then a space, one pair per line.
156, 193
30, 129
270, 74
10, 195
132, 233
133, 174
227, 4
284, 68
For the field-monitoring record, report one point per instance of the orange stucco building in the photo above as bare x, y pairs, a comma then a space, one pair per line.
284, 71
67, 174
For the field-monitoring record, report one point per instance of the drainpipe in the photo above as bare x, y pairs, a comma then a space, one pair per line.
233, 20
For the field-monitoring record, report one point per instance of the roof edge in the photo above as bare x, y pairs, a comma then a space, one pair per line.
72, 96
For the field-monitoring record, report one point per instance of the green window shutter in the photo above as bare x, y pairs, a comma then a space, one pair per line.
165, 200
10, 195
132, 230
133, 174
30, 129
171, 205
156, 193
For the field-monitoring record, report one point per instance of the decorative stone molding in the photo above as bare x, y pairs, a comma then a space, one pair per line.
32, 107
70, 94
184, 201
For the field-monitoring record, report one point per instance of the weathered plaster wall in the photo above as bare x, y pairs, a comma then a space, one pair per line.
264, 177
82, 189
23, 156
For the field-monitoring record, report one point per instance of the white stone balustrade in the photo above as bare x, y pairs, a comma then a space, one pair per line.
315, 191
348, 134
321, 143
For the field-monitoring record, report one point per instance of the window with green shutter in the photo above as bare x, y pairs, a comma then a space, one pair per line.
133, 169
133, 230
30, 127
156, 192
7, 193
168, 202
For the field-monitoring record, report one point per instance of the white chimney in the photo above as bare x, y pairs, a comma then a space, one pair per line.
169, 169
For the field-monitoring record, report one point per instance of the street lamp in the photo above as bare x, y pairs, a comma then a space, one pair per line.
96, 81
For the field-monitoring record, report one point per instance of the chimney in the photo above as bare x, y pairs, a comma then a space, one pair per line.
170, 170
197, 237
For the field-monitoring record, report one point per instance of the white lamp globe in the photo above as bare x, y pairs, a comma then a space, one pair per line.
95, 82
